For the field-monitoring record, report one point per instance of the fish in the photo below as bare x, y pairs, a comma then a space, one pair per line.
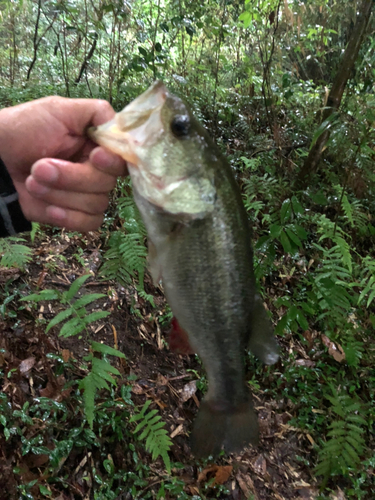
199, 243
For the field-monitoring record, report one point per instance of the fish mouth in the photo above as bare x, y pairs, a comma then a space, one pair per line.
138, 124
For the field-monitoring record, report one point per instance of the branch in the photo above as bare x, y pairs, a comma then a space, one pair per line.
36, 42
86, 61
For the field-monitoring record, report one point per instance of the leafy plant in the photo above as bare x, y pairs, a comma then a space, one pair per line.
158, 443
14, 254
99, 377
342, 452
76, 310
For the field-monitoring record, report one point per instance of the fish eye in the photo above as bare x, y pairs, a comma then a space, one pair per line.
180, 126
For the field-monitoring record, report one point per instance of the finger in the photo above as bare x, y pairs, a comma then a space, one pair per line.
74, 220
91, 203
108, 162
79, 114
67, 176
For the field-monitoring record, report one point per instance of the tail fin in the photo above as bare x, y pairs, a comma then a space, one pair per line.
262, 342
215, 429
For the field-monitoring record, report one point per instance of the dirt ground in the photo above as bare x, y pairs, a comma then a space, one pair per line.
273, 470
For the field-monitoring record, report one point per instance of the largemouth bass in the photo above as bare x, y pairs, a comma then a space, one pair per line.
200, 248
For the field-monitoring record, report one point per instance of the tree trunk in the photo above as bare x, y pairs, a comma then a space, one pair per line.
337, 90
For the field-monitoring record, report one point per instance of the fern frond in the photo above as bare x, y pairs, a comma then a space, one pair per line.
98, 378
341, 453
368, 280
125, 257
348, 210
158, 442
14, 254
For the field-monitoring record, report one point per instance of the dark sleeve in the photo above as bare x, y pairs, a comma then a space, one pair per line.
12, 220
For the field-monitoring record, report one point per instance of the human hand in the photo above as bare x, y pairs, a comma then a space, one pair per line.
62, 178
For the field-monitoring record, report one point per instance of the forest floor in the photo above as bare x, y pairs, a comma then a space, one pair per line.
29, 358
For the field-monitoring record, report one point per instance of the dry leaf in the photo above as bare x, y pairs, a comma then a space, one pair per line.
220, 473
188, 391
260, 465
66, 355
161, 380
137, 389
335, 350
305, 362
26, 365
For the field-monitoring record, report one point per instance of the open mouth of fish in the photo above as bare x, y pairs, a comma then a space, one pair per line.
138, 124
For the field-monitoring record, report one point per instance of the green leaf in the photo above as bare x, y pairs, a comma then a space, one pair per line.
319, 198
44, 490
324, 127
301, 233
275, 230
60, 317
87, 299
293, 237
72, 327
285, 242
286, 211
302, 321
75, 286
297, 207
94, 316
105, 349
101, 367
246, 18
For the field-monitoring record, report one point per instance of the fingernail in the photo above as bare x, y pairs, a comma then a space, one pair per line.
35, 188
56, 213
45, 172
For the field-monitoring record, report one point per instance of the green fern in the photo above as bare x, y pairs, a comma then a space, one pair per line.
329, 230
76, 316
125, 257
13, 253
129, 213
98, 378
342, 452
333, 286
368, 280
353, 211
158, 443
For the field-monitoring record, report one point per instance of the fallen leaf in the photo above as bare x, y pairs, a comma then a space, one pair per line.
188, 391
26, 365
260, 465
220, 473
66, 355
305, 362
335, 350
137, 389
161, 380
